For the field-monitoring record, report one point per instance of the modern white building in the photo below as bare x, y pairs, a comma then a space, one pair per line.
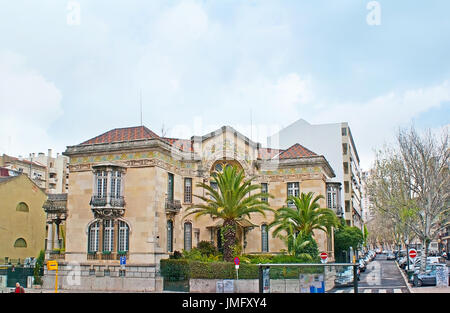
336, 143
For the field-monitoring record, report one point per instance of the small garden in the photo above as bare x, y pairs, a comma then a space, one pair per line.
234, 200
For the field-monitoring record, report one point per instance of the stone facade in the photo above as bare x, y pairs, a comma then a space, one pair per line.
152, 192
22, 223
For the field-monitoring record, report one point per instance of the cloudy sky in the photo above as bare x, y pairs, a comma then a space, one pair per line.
70, 70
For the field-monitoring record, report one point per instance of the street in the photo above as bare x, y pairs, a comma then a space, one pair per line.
381, 276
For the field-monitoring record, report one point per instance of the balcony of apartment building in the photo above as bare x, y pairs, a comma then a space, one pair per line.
106, 255
172, 206
108, 205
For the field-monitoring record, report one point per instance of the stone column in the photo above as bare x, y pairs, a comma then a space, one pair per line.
50, 236
57, 245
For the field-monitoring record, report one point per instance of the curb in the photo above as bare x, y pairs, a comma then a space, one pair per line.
404, 278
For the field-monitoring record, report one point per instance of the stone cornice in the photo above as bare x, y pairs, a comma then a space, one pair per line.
275, 164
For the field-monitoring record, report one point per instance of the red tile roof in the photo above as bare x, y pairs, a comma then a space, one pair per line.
123, 134
296, 151
268, 153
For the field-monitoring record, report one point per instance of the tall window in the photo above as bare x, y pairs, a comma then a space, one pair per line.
123, 236
187, 236
116, 184
214, 186
108, 235
264, 238
169, 236
188, 190
94, 229
170, 187
332, 197
102, 178
293, 189
264, 189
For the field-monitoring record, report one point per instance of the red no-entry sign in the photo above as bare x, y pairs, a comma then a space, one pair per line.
412, 253
323, 255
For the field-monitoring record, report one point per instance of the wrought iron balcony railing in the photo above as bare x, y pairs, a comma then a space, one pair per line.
172, 205
102, 201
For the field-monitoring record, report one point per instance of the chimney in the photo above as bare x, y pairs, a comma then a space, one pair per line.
49, 153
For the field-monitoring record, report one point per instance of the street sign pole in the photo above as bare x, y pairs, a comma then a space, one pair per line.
56, 281
355, 279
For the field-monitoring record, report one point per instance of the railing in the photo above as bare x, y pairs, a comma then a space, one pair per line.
172, 205
57, 256
108, 256
101, 201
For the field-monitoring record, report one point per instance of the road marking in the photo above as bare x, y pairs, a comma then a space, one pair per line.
339, 291
368, 291
397, 291
381, 290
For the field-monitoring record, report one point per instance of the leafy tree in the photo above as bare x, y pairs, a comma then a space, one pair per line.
295, 225
234, 200
346, 237
411, 182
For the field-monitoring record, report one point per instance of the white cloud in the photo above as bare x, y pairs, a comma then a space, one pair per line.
375, 122
28, 105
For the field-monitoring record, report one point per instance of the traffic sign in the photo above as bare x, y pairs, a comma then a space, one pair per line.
324, 257
412, 253
52, 265
236, 261
123, 260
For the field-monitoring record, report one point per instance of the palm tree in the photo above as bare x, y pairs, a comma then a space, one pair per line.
300, 221
232, 202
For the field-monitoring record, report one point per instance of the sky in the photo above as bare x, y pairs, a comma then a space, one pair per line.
71, 70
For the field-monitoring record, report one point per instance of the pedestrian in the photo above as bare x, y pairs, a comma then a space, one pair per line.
19, 288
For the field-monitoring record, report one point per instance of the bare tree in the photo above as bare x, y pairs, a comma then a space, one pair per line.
411, 185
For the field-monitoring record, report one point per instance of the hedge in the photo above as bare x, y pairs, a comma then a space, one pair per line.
180, 269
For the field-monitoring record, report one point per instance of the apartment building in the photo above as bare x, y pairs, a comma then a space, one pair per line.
336, 143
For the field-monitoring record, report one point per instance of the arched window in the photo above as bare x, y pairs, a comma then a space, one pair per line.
187, 236
93, 234
169, 236
20, 243
264, 238
108, 235
123, 239
22, 207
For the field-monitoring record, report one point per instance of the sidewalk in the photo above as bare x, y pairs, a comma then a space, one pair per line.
430, 289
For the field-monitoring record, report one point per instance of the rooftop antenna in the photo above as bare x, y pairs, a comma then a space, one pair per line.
140, 102
251, 125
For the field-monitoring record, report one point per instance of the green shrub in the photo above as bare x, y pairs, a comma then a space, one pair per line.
207, 248
174, 269
176, 255
38, 268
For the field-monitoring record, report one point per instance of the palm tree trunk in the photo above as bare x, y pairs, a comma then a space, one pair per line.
229, 236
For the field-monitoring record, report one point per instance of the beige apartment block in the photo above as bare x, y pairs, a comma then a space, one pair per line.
129, 190
35, 170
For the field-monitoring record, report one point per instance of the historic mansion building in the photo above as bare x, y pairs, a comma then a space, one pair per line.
129, 190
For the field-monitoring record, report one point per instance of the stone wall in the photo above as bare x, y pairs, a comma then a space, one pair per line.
138, 278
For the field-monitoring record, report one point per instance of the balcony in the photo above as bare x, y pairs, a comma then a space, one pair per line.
109, 201
172, 206
109, 206
106, 256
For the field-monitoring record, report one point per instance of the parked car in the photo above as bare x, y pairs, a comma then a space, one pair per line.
390, 256
427, 278
362, 265
344, 278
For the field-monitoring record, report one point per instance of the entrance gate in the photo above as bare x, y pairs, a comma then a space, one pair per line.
18, 274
